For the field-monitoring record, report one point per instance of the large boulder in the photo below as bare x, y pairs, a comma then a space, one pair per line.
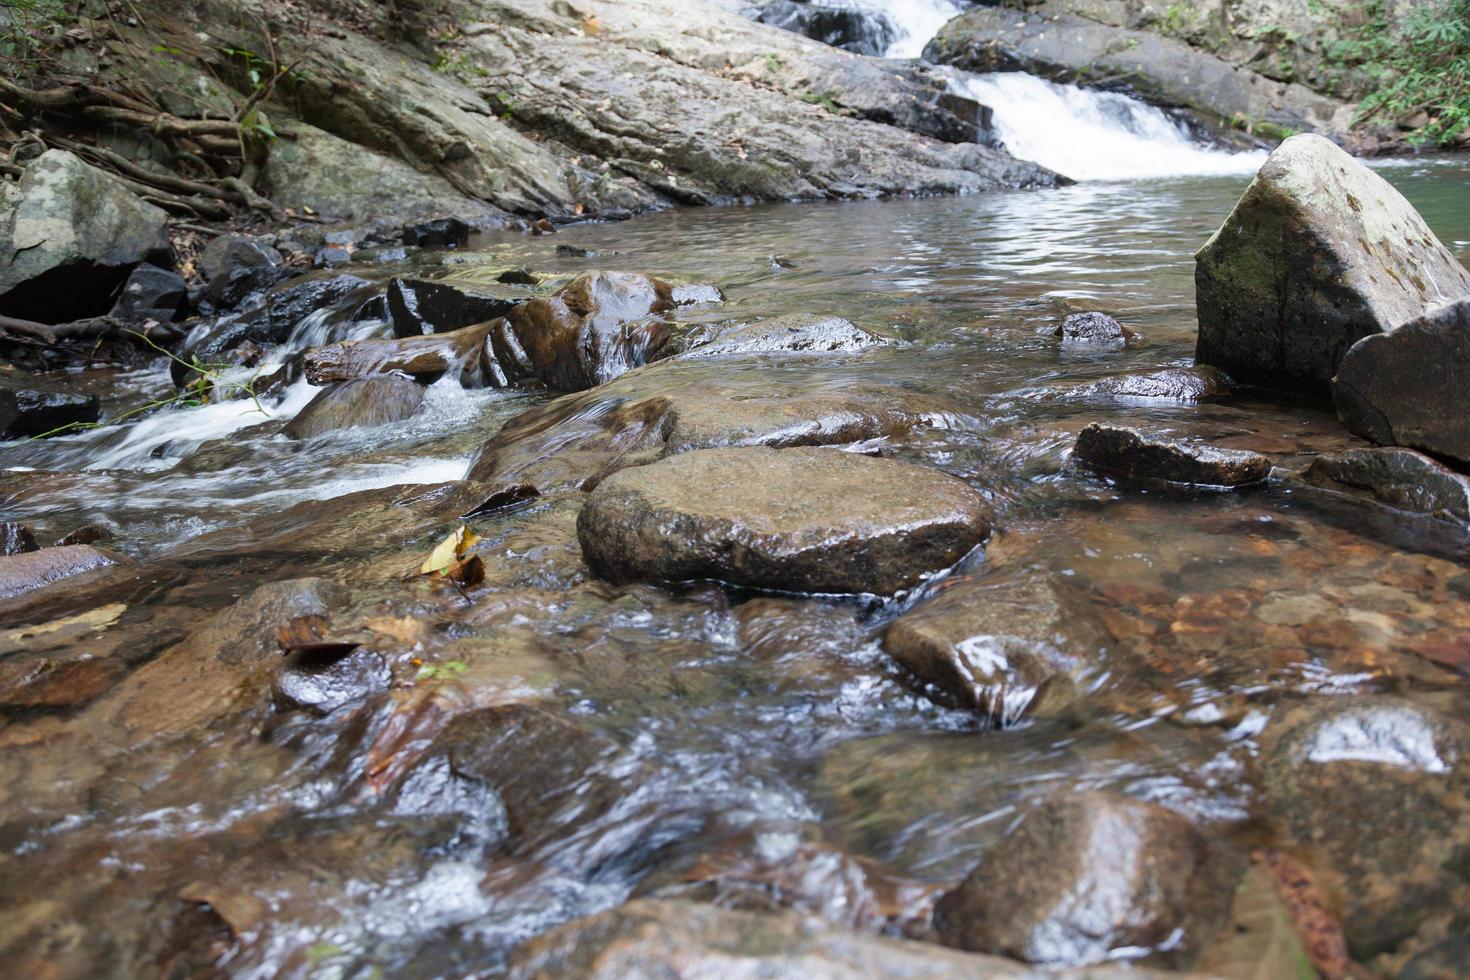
357, 404
1379, 788
1319, 253
805, 520
1084, 876
1408, 387
70, 234
1001, 648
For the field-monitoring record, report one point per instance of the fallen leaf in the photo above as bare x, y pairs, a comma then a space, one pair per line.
404, 629
450, 551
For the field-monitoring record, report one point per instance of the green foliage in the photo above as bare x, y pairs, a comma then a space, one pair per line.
1423, 68
449, 668
460, 65
29, 26
773, 63
827, 100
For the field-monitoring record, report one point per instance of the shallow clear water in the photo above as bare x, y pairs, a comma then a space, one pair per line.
189, 814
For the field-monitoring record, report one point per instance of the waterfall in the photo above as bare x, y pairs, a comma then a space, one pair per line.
1091, 135
914, 22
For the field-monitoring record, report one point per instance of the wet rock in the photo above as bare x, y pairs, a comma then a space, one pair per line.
796, 333
664, 938
1086, 875
1407, 387
31, 407
1378, 787
17, 539
424, 306
357, 404
151, 293
331, 257
576, 252
322, 684
780, 519
1182, 385
438, 233
71, 234
1092, 329
1319, 253
1134, 454
87, 534
1400, 478
30, 570
1001, 648
463, 354
234, 266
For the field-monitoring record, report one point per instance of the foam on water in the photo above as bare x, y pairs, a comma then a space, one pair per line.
916, 20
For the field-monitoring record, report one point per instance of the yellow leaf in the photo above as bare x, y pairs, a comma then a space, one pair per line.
450, 551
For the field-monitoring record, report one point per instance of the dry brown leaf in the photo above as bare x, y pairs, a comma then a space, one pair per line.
404, 629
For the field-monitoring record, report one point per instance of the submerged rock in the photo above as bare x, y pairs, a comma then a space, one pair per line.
1003, 649
70, 234
29, 570
1086, 875
1409, 387
666, 938
808, 520
1400, 478
1319, 253
358, 404
1378, 786
1120, 451
796, 333
1093, 329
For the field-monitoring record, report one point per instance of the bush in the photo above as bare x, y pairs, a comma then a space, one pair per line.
1424, 67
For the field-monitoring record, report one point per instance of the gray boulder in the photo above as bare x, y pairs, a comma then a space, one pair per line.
70, 234
1408, 387
1319, 253
784, 519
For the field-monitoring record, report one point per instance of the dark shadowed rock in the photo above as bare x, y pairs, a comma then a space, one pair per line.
1409, 387
1085, 875
16, 539
1400, 478
1092, 329
1134, 454
796, 333
668, 938
462, 354
357, 404
1319, 253
70, 234
438, 233
151, 293
32, 407
1183, 385
421, 306
235, 266
780, 519
34, 569
1002, 648
87, 534
1378, 786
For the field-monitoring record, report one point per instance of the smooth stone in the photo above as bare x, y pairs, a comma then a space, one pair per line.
1182, 385
1120, 451
1319, 253
462, 354
1409, 387
1089, 874
438, 233
358, 404
310, 684
1399, 478
794, 333
1378, 787
780, 519
1004, 648
1092, 329
30, 570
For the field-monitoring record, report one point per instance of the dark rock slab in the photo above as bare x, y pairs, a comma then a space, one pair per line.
1399, 478
1092, 329
1319, 253
1088, 874
780, 519
1003, 648
32, 407
1131, 453
151, 293
1378, 788
35, 569
438, 233
358, 404
424, 306
794, 333
1410, 387
235, 266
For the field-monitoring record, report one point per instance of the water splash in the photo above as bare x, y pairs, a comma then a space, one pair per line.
914, 21
1091, 135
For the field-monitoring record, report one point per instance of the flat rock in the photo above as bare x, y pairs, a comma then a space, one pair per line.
1408, 387
35, 569
358, 404
1179, 385
1378, 787
1319, 253
1399, 478
1092, 329
1120, 451
1001, 648
70, 234
1085, 875
807, 520
794, 333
